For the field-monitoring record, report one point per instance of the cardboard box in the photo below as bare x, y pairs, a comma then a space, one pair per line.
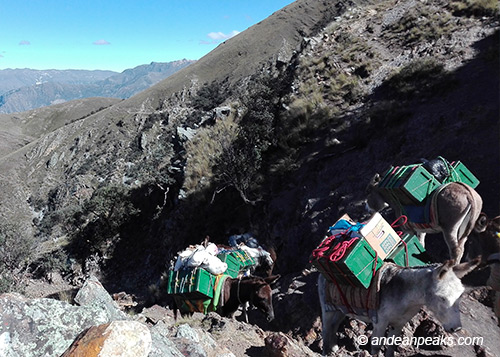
194, 283
412, 255
380, 235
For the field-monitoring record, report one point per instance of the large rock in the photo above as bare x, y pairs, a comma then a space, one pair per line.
117, 338
42, 327
93, 294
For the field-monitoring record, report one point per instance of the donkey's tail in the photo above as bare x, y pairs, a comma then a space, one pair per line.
471, 212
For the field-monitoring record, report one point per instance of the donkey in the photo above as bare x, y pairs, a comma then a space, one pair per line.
403, 292
252, 289
457, 209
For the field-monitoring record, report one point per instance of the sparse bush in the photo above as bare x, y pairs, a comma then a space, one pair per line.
204, 150
16, 252
420, 24
475, 7
421, 78
100, 220
239, 164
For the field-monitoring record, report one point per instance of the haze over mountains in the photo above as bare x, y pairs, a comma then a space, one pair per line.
25, 89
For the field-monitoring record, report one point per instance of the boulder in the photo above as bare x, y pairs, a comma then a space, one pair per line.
117, 338
93, 294
42, 327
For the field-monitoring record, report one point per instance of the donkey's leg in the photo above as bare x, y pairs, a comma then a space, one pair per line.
378, 332
395, 331
421, 238
244, 308
456, 251
330, 323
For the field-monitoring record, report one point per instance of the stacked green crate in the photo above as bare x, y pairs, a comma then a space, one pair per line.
233, 264
244, 259
237, 260
355, 268
194, 283
460, 173
409, 252
410, 184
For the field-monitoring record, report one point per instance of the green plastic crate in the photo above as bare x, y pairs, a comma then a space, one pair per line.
418, 185
416, 252
233, 264
356, 268
460, 173
410, 184
244, 259
192, 284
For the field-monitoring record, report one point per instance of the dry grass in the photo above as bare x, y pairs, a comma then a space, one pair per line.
203, 151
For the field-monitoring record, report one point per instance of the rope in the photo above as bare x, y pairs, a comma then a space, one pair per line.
324, 246
340, 249
374, 271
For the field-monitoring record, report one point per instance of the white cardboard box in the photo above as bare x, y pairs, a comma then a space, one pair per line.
380, 235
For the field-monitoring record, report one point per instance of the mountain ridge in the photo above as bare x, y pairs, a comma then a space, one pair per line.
43, 88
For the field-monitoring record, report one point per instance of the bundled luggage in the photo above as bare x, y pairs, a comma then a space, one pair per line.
197, 269
412, 184
353, 252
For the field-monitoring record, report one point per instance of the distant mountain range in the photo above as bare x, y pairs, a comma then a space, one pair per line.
26, 89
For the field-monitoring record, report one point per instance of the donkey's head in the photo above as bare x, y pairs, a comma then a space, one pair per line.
443, 297
261, 297
374, 200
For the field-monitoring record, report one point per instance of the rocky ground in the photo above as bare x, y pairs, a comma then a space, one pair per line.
296, 331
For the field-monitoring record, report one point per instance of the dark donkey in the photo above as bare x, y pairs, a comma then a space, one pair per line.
252, 289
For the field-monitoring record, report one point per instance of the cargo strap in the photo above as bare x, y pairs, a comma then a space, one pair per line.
358, 300
404, 220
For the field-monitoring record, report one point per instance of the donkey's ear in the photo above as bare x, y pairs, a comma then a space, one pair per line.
463, 269
481, 223
272, 279
443, 269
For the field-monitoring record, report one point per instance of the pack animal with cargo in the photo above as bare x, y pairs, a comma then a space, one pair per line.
451, 206
199, 285
402, 292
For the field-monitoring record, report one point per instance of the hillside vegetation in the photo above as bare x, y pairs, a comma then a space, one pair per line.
277, 131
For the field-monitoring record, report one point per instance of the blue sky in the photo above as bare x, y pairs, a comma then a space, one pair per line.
116, 35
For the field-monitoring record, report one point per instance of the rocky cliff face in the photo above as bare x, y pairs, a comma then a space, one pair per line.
279, 140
